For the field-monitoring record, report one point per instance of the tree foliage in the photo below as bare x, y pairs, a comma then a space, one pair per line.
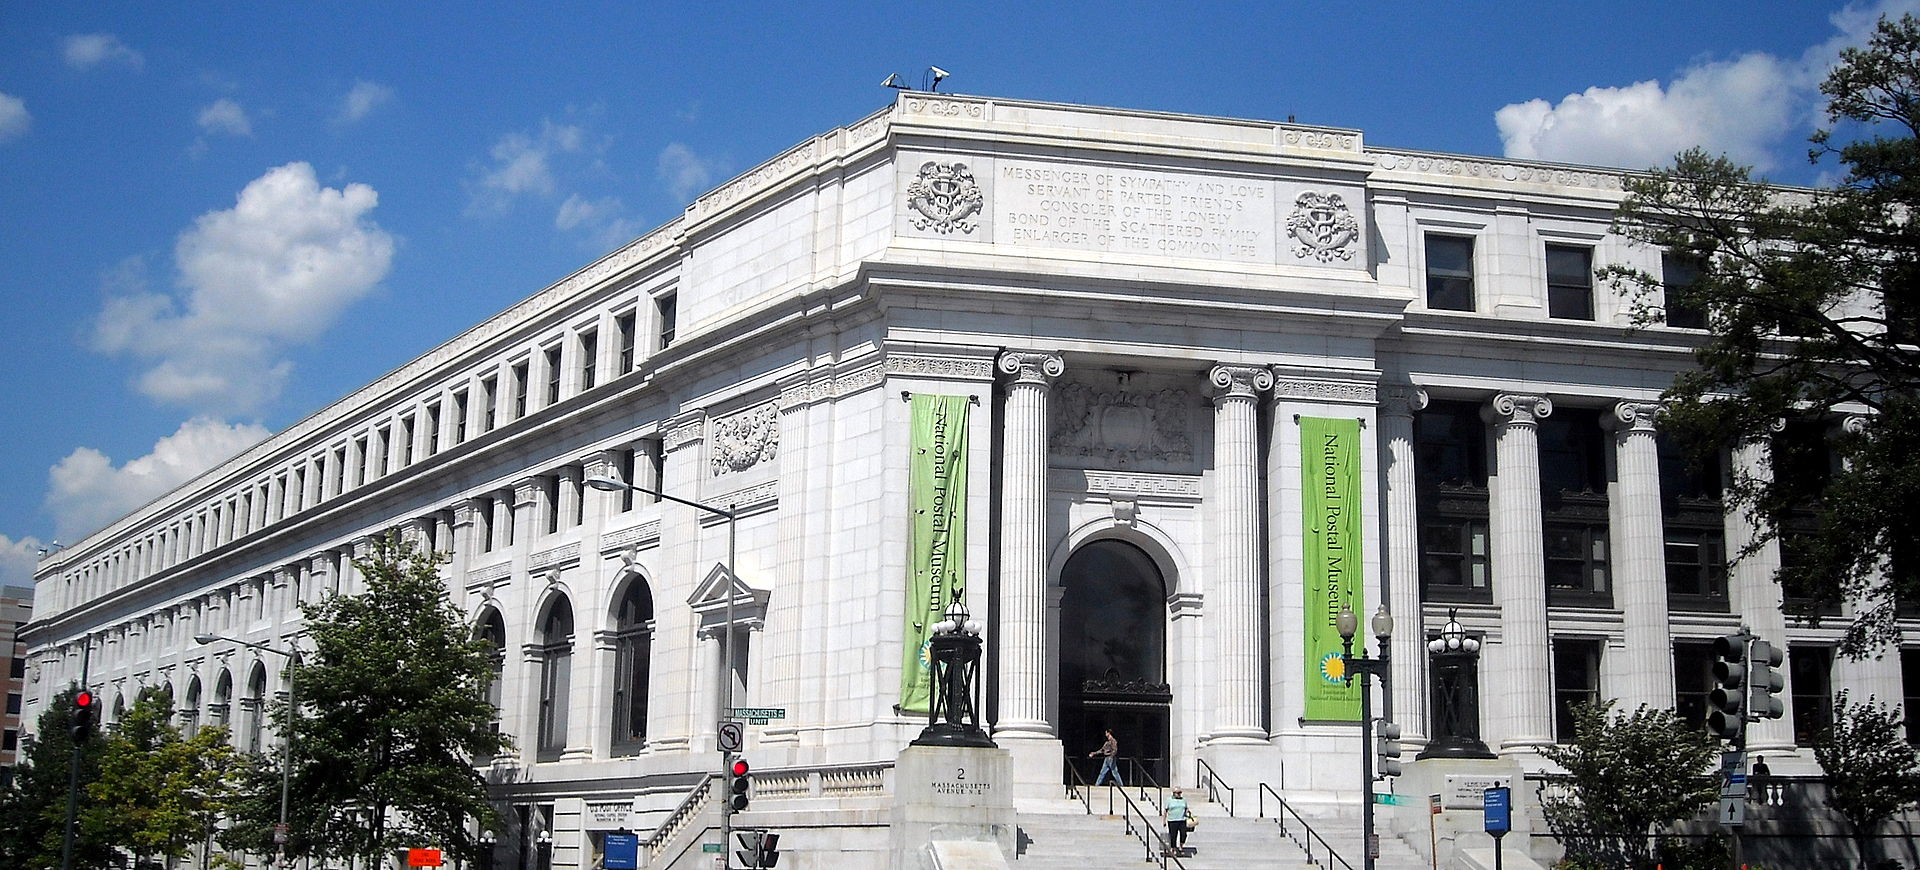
158, 793
1627, 773
392, 715
1872, 773
1812, 300
33, 811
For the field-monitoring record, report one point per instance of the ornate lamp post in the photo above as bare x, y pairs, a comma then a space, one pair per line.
954, 650
1456, 700
486, 842
1382, 625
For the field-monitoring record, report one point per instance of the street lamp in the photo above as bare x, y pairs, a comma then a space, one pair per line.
608, 483
486, 842
544, 845
1382, 625
1456, 706
954, 654
286, 740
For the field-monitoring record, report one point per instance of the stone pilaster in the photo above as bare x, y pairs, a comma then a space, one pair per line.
1235, 586
1520, 699
1401, 554
570, 507
1639, 560
1756, 595
1021, 601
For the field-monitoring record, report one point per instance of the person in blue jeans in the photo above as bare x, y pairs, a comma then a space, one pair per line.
1110, 751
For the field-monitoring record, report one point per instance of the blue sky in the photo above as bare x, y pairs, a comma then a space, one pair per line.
215, 219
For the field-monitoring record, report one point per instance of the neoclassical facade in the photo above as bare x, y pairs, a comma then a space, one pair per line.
1144, 312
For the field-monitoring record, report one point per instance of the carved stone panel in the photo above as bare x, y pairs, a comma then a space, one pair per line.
744, 440
1113, 420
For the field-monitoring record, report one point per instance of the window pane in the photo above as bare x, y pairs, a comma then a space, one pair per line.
1569, 282
1450, 273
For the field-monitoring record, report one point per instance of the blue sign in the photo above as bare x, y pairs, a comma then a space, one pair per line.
1498, 803
623, 852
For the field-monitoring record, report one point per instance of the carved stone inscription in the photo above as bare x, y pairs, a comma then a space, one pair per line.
1133, 211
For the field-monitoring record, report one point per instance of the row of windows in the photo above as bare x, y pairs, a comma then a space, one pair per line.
1570, 281
478, 403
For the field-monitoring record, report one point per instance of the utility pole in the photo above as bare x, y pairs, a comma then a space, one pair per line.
73, 767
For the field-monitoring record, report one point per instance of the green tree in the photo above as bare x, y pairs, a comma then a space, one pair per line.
157, 791
33, 811
1810, 299
1872, 773
392, 717
1627, 773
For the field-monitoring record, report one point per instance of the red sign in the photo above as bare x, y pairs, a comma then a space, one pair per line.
423, 857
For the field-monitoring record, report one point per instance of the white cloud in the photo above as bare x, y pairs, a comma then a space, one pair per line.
1746, 107
14, 119
225, 116
361, 100
87, 491
17, 560
685, 172
522, 164
88, 50
578, 210
275, 270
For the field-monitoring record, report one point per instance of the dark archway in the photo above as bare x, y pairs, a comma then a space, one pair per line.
1113, 656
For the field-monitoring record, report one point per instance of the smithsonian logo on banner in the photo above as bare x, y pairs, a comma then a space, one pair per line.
1330, 503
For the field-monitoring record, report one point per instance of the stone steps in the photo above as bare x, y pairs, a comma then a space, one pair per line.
1060, 834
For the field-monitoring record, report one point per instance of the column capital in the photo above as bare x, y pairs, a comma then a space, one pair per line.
524, 490
1513, 409
1631, 416
1031, 367
1854, 424
1239, 381
1402, 400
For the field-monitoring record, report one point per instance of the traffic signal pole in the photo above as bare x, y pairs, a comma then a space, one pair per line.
73, 769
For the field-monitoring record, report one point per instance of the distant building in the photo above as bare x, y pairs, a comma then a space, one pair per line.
1215, 379
16, 607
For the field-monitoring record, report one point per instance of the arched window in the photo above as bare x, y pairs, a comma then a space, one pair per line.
190, 714
494, 631
556, 670
217, 712
119, 707
633, 649
255, 706
171, 697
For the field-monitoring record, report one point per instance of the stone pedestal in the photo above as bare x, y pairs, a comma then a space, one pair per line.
946, 796
1461, 824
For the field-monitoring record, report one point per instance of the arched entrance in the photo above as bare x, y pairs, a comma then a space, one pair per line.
1113, 655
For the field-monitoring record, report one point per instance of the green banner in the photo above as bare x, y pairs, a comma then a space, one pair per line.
937, 565
1330, 511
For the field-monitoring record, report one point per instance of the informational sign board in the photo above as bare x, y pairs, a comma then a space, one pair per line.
1433, 804
623, 851
423, 857
1466, 791
759, 715
710, 848
1498, 806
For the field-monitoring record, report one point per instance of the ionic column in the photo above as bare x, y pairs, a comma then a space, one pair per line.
1879, 676
1023, 567
1520, 698
1236, 581
1639, 560
1401, 553
1756, 595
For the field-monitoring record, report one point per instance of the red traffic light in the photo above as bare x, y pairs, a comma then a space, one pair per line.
84, 700
740, 767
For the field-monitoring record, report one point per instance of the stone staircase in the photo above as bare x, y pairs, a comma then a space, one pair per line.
1060, 835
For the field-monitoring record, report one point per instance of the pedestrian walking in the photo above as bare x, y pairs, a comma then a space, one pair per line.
1110, 752
1176, 813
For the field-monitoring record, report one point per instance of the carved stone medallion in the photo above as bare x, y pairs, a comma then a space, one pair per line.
746, 439
1322, 228
946, 197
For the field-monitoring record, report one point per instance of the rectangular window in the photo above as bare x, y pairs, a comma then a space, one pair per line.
1569, 282
364, 467
553, 374
406, 441
17, 668
623, 324
589, 358
1576, 680
1811, 679
460, 417
667, 307
1909, 681
625, 458
550, 490
1449, 273
1693, 520
1450, 475
338, 464
1678, 274
656, 468
386, 449
483, 523
9, 741
433, 429
519, 390
1692, 681
13, 703
489, 389
1573, 498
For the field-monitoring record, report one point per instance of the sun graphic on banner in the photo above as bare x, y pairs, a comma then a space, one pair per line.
1333, 668
926, 654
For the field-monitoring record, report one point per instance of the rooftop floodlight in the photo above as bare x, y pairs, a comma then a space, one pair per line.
893, 81
936, 74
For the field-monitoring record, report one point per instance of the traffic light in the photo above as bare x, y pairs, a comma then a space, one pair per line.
1728, 718
759, 850
737, 785
83, 704
1766, 682
1387, 740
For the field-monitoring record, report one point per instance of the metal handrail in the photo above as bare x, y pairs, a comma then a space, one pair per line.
1208, 780
1312, 836
1077, 786
1143, 778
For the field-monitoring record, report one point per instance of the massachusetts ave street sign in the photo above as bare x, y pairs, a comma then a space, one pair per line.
759, 715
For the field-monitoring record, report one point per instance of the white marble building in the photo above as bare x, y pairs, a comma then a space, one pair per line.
1144, 306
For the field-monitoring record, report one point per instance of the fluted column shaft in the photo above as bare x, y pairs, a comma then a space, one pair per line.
1520, 696
1639, 560
1401, 552
1021, 602
1236, 578
1879, 676
1756, 594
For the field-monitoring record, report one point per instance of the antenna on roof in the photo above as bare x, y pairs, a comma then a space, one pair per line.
929, 81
